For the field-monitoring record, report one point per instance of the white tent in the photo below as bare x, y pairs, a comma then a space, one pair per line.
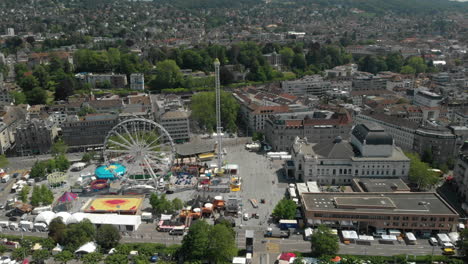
75, 218
78, 166
87, 248
65, 216
45, 217
57, 249
122, 222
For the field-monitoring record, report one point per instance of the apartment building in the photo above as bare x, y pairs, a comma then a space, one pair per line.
89, 131
307, 85
319, 125
35, 137
177, 125
460, 172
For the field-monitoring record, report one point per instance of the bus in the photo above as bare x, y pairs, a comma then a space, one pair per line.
410, 238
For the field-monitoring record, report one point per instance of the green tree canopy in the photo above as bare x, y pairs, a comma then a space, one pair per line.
324, 242
420, 172
203, 107
417, 63
107, 236
116, 259
59, 147
287, 55
79, 234
64, 256
168, 75
57, 230
92, 258
36, 96
4, 161
285, 209
23, 195
195, 244
39, 256
222, 245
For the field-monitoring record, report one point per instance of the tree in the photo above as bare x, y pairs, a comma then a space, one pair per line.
285, 209
92, 258
287, 55
64, 256
39, 256
4, 161
24, 194
177, 204
36, 196
36, 96
417, 63
79, 234
59, 147
222, 245
19, 97
41, 75
107, 236
160, 204
29, 82
324, 242
20, 253
57, 230
203, 106
420, 172
463, 242
87, 157
47, 196
116, 259
168, 75
407, 70
257, 136
61, 162
86, 110
195, 244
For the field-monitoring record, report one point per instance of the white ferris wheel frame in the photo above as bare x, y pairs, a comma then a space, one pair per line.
139, 149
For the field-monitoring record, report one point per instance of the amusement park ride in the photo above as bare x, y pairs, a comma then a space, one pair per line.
143, 147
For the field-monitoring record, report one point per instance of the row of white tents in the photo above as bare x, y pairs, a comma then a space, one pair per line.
122, 222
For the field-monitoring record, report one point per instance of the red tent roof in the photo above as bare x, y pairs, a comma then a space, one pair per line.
68, 197
287, 256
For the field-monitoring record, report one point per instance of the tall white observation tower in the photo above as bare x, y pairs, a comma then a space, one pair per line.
219, 129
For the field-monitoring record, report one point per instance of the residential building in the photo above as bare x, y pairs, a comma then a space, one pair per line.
369, 82
43, 58
274, 59
422, 213
426, 98
460, 173
439, 141
319, 125
89, 131
342, 72
137, 81
307, 85
412, 136
10, 118
97, 80
35, 137
177, 124
460, 117
10, 32
370, 153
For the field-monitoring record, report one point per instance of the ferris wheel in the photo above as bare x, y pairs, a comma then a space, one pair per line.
142, 146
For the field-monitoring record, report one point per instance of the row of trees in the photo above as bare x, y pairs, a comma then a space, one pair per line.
75, 235
396, 63
203, 105
41, 195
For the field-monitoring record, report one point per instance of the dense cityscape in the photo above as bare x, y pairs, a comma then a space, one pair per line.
243, 132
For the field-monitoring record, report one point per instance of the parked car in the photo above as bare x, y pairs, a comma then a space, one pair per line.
433, 241
154, 258
13, 218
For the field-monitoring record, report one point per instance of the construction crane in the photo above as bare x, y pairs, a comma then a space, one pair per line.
219, 129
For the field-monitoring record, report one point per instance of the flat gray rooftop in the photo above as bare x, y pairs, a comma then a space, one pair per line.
386, 203
382, 185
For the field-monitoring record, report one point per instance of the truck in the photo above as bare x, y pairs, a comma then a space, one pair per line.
287, 224
270, 232
254, 203
443, 238
5, 178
